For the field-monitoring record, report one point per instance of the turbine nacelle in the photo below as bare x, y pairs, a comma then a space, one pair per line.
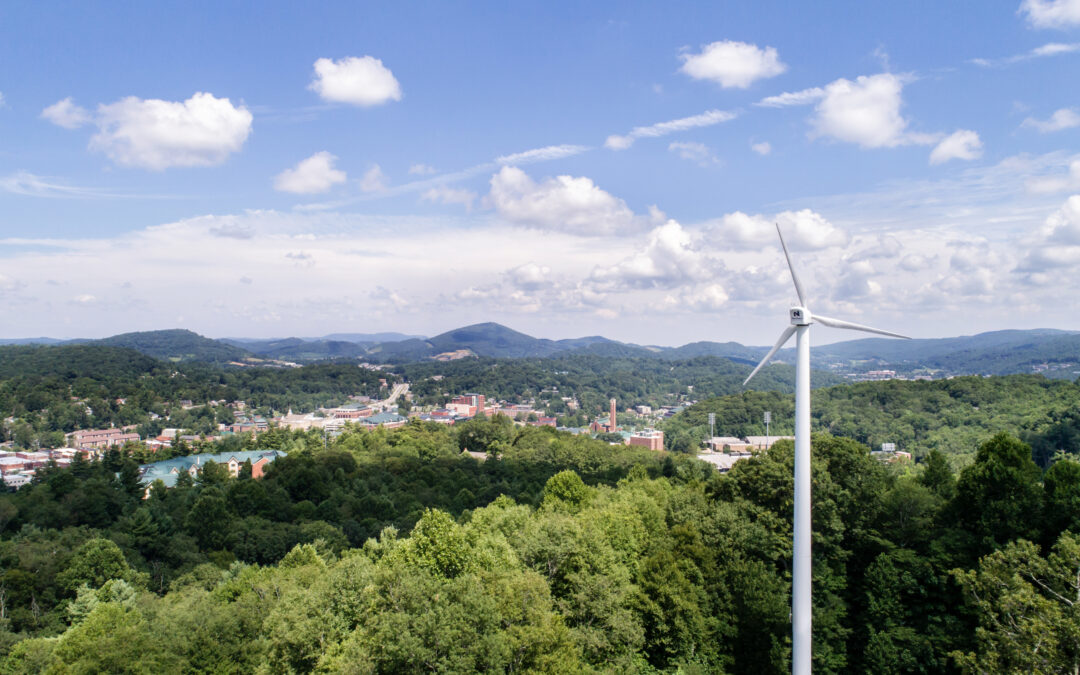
800, 316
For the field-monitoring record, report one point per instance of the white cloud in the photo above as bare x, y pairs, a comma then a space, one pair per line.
961, 144
707, 297
1051, 184
804, 229
446, 195
544, 154
373, 180
882, 246
672, 257
705, 119
292, 257
388, 298
156, 134
363, 81
1063, 226
31, 185
866, 112
915, 262
421, 170
1042, 51
698, 153
563, 203
1055, 48
1065, 118
7, 284
793, 98
312, 175
762, 148
1051, 13
460, 271
530, 276
2, 104
733, 64
856, 281
1056, 244
231, 229
66, 114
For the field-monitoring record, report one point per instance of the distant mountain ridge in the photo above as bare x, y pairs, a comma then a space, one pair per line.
173, 345
1000, 352
1054, 352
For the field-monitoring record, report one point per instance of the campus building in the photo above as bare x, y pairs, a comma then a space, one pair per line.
652, 439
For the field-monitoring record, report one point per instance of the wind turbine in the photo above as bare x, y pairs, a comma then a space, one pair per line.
801, 318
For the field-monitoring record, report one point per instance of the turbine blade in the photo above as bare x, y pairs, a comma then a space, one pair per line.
784, 337
837, 323
794, 277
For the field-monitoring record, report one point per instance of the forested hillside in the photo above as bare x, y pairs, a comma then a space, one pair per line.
595, 379
955, 416
385, 553
175, 345
51, 390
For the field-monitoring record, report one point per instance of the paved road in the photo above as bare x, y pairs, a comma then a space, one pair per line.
399, 390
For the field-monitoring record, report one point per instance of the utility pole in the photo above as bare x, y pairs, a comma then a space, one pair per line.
712, 425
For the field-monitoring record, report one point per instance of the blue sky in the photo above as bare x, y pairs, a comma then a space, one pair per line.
279, 169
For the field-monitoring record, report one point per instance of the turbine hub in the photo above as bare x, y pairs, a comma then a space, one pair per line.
800, 316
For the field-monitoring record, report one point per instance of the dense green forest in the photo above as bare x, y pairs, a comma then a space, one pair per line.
593, 380
955, 416
389, 552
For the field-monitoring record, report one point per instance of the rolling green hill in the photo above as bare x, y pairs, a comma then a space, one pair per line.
954, 416
68, 362
298, 349
175, 345
994, 353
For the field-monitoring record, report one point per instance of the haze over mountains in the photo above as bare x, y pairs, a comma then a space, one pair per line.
1056, 353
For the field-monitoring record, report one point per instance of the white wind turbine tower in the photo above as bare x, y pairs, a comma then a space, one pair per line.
801, 318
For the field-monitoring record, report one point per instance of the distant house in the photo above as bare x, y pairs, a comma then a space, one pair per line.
100, 438
169, 470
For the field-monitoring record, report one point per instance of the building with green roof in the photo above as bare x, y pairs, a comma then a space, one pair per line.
169, 470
